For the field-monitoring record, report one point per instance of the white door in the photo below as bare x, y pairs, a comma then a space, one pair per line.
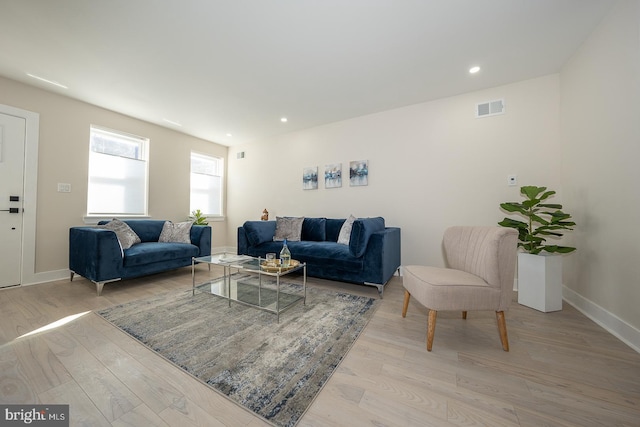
12, 146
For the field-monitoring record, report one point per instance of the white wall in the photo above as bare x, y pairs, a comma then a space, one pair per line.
431, 165
63, 158
600, 114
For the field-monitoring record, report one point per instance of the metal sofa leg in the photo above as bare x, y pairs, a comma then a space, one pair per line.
100, 285
377, 285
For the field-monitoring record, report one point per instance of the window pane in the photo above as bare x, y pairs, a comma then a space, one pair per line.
114, 144
206, 184
117, 185
206, 193
202, 164
117, 174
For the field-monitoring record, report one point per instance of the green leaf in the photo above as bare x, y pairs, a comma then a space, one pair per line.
547, 195
531, 191
513, 223
551, 205
513, 207
539, 220
558, 249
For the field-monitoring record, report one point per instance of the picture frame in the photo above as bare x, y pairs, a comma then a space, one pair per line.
333, 175
358, 173
310, 178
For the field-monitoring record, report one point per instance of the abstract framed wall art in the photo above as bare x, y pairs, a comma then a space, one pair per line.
310, 178
333, 175
358, 173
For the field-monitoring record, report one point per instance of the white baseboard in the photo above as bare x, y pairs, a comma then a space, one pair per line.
609, 321
224, 250
47, 276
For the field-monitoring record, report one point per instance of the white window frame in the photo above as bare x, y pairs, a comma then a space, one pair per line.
218, 173
94, 213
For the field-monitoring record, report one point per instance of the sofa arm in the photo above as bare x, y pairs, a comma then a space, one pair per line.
201, 237
361, 232
243, 242
95, 253
383, 256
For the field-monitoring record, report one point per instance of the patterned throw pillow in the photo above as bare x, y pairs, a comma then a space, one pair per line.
126, 236
288, 228
345, 231
179, 232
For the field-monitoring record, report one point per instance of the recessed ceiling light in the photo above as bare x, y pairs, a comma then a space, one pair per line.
171, 122
51, 82
474, 70
229, 135
283, 119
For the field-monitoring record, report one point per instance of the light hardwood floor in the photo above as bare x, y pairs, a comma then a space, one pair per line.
562, 370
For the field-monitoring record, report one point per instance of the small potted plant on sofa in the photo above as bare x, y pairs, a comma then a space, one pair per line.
539, 267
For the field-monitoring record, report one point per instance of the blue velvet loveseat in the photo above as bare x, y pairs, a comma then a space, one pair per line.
371, 257
96, 253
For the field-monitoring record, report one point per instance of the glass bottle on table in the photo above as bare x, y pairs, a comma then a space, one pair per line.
285, 255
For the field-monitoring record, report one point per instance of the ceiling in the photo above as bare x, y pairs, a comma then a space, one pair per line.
220, 67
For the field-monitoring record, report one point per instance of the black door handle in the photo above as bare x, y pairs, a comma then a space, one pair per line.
11, 210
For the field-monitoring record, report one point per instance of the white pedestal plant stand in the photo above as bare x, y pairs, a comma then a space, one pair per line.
540, 281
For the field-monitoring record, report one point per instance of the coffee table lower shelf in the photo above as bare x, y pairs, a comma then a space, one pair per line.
241, 290
248, 285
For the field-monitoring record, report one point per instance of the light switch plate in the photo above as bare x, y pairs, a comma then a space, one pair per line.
64, 188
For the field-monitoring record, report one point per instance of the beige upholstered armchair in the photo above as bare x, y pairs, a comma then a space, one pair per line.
480, 276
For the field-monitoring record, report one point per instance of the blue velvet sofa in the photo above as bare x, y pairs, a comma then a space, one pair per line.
96, 254
371, 257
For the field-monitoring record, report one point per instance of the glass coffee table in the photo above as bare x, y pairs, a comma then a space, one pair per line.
243, 282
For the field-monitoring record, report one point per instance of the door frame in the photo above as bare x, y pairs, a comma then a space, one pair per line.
30, 194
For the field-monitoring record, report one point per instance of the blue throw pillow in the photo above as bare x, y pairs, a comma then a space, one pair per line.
259, 232
333, 227
314, 229
361, 230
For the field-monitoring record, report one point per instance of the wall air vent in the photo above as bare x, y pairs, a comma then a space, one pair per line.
490, 108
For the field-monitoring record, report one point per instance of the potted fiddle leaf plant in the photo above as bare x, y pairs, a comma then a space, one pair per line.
539, 266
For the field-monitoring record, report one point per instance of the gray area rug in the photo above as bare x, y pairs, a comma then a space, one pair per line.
273, 369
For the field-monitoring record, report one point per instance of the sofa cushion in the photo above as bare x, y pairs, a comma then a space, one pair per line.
151, 252
147, 229
362, 229
329, 254
126, 236
259, 232
314, 229
289, 228
333, 227
179, 232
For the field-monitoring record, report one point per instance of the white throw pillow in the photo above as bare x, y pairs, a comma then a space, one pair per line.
126, 236
345, 231
179, 232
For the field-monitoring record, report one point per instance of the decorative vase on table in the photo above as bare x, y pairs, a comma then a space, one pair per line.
540, 266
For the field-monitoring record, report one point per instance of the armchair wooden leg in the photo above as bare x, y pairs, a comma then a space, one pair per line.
431, 328
464, 315
405, 306
502, 327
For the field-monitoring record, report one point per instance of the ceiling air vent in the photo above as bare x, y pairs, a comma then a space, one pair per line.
490, 108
